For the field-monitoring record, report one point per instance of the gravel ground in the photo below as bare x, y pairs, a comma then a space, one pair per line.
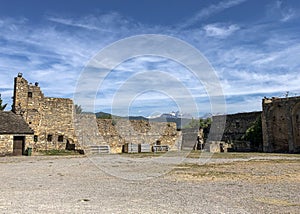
117, 184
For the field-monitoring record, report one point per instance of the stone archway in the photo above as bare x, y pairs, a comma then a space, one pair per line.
296, 127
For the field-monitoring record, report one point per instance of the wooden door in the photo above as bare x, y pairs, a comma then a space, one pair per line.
19, 145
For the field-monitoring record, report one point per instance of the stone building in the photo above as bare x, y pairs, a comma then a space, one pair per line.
15, 134
50, 118
281, 124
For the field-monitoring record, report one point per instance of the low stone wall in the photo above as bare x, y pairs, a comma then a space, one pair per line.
117, 132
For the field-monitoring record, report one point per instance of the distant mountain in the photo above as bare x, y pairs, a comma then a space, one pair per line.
136, 118
180, 122
104, 115
207, 115
172, 114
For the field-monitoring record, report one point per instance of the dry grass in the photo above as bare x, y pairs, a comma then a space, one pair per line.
263, 171
244, 155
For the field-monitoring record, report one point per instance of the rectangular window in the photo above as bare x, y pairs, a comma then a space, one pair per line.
35, 138
49, 137
30, 94
60, 138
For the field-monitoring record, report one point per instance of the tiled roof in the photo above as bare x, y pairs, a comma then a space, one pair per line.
10, 123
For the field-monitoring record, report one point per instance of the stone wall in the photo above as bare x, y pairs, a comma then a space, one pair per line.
235, 128
7, 142
87, 131
50, 118
189, 138
281, 124
117, 132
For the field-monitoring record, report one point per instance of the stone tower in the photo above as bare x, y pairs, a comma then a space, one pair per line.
281, 124
52, 119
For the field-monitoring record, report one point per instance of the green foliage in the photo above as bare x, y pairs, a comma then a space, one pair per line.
78, 109
254, 133
2, 107
199, 123
192, 124
58, 152
204, 123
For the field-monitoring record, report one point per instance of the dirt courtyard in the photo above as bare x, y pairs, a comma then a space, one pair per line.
223, 183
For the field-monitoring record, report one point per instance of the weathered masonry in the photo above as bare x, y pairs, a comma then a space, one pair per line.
15, 135
281, 124
50, 118
119, 132
235, 128
94, 132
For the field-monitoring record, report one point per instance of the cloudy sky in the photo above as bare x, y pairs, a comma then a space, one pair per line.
252, 45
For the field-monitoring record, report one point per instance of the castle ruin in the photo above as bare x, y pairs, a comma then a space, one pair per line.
50, 118
57, 126
281, 124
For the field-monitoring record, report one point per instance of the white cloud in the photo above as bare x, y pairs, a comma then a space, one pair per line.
287, 13
281, 11
209, 11
220, 30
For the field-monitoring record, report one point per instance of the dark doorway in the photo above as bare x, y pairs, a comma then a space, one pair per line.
70, 146
19, 145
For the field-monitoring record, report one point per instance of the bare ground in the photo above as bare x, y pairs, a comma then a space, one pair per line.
228, 183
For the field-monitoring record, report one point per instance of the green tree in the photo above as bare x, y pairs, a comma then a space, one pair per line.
200, 123
2, 106
204, 123
254, 133
78, 109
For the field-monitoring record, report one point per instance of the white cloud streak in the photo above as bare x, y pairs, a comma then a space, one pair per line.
219, 30
209, 11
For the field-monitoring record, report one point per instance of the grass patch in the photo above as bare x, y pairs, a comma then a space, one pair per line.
142, 155
56, 152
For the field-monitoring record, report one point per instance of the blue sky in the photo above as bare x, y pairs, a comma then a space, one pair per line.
254, 47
